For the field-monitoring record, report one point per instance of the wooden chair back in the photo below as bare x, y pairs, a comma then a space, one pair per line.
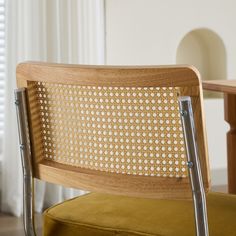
112, 129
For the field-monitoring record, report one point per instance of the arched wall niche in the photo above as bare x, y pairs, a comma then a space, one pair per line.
204, 49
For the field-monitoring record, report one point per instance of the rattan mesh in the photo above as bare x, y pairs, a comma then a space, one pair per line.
129, 130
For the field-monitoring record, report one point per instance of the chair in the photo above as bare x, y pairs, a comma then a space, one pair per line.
133, 136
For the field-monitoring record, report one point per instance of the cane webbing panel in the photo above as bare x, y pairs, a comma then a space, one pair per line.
116, 129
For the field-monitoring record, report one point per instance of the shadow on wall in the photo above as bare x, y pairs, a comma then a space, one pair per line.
204, 49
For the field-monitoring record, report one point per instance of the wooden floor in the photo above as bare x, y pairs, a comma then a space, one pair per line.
13, 226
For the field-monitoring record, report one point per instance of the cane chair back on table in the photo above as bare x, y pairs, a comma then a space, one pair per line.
113, 129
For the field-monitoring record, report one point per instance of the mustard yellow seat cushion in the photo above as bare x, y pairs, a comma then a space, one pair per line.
107, 215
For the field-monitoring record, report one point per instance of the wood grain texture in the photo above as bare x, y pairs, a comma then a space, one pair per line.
230, 117
228, 87
108, 75
224, 86
122, 184
186, 78
13, 226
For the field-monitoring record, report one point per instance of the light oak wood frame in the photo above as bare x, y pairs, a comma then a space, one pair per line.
228, 88
184, 77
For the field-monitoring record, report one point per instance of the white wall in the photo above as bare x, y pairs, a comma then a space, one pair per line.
206, 51
149, 32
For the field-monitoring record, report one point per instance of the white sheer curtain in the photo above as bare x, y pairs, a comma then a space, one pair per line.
67, 31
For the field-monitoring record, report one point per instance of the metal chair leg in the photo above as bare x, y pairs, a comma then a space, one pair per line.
194, 167
28, 182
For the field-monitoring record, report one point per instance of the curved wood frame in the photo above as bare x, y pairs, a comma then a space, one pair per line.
187, 78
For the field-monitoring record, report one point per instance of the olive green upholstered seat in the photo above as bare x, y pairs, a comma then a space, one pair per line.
106, 215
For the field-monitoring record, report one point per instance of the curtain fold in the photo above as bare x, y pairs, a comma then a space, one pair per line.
65, 31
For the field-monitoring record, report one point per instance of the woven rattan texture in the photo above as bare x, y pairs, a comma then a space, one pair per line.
116, 129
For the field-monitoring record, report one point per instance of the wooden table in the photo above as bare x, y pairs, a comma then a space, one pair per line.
228, 87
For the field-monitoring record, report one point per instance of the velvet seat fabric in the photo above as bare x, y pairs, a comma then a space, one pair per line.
98, 214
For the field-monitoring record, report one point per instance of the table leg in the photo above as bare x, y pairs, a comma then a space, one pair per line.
230, 117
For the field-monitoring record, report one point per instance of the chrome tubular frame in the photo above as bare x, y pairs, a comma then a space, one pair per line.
28, 182
194, 167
